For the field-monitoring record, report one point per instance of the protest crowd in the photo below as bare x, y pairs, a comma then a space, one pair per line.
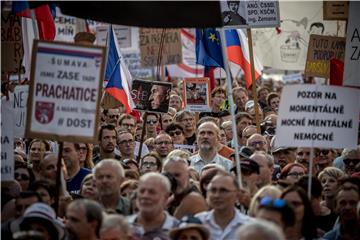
173, 175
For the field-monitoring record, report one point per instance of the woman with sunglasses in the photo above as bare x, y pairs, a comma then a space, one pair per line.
176, 132
23, 175
325, 159
304, 227
152, 122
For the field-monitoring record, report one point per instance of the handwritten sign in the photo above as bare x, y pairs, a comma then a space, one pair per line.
123, 35
7, 142
12, 50
133, 62
151, 40
318, 116
336, 10
352, 52
197, 92
250, 14
321, 50
64, 94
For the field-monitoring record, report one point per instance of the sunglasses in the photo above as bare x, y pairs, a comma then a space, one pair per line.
173, 133
270, 202
349, 161
151, 121
324, 152
22, 176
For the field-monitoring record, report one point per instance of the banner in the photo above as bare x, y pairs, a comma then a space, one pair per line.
286, 47
318, 116
151, 41
65, 93
352, 51
321, 50
197, 94
250, 14
7, 142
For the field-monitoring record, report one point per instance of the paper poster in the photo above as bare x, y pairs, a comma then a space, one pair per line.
7, 142
285, 48
133, 62
151, 40
250, 14
352, 52
123, 35
12, 50
336, 10
65, 91
318, 116
151, 96
293, 78
197, 92
320, 51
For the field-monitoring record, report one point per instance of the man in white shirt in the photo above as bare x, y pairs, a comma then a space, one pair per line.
208, 138
224, 218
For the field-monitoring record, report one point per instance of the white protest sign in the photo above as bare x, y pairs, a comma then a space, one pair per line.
293, 78
352, 50
190, 148
65, 27
64, 94
250, 14
7, 142
123, 35
318, 116
132, 60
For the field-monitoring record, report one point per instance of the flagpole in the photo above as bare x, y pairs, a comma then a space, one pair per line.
231, 102
253, 83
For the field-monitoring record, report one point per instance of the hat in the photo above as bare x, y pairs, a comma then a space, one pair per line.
41, 212
248, 165
189, 222
244, 152
85, 37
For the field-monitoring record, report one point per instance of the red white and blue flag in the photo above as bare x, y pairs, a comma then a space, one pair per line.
238, 53
117, 74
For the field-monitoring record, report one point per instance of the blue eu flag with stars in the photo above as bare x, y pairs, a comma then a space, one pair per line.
208, 48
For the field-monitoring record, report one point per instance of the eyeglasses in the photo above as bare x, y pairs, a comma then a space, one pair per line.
164, 142
221, 191
261, 143
173, 133
113, 116
151, 121
123, 142
270, 202
324, 152
296, 174
149, 164
349, 161
22, 176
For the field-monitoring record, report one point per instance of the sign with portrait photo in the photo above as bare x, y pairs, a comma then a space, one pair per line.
250, 14
151, 96
65, 91
197, 94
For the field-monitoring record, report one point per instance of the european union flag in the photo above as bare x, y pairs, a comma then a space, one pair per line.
208, 48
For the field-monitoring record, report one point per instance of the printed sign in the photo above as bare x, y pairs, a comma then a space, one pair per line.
250, 14
152, 40
197, 94
65, 27
293, 78
151, 96
336, 10
12, 50
190, 148
123, 35
352, 52
321, 49
318, 116
7, 142
133, 62
64, 94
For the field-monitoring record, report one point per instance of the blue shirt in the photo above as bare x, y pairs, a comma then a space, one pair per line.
73, 185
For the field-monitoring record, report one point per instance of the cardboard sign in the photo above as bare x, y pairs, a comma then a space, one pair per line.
250, 14
133, 62
336, 10
123, 35
12, 50
197, 94
321, 50
151, 96
7, 142
352, 52
318, 116
64, 94
151, 40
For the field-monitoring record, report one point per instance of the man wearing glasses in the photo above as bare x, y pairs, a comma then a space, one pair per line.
257, 142
111, 116
351, 159
224, 218
163, 145
126, 145
187, 120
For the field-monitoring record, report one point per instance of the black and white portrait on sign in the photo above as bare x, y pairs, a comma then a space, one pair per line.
233, 13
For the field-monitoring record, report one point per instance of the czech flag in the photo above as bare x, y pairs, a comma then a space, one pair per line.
118, 76
238, 53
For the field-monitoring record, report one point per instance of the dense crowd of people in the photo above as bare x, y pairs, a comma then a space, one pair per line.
183, 184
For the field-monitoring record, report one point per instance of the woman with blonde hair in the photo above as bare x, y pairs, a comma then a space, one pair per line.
266, 191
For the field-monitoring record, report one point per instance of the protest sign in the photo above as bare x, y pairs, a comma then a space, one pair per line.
352, 52
190, 148
133, 62
65, 27
321, 49
318, 116
123, 35
151, 96
12, 50
64, 94
336, 10
152, 42
7, 142
250, 14
293, 78
197, 94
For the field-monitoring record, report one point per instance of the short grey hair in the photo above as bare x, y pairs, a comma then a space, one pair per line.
267, 230
180, 115
113, 221
164, 181
177, 155
347, 152
113, 164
